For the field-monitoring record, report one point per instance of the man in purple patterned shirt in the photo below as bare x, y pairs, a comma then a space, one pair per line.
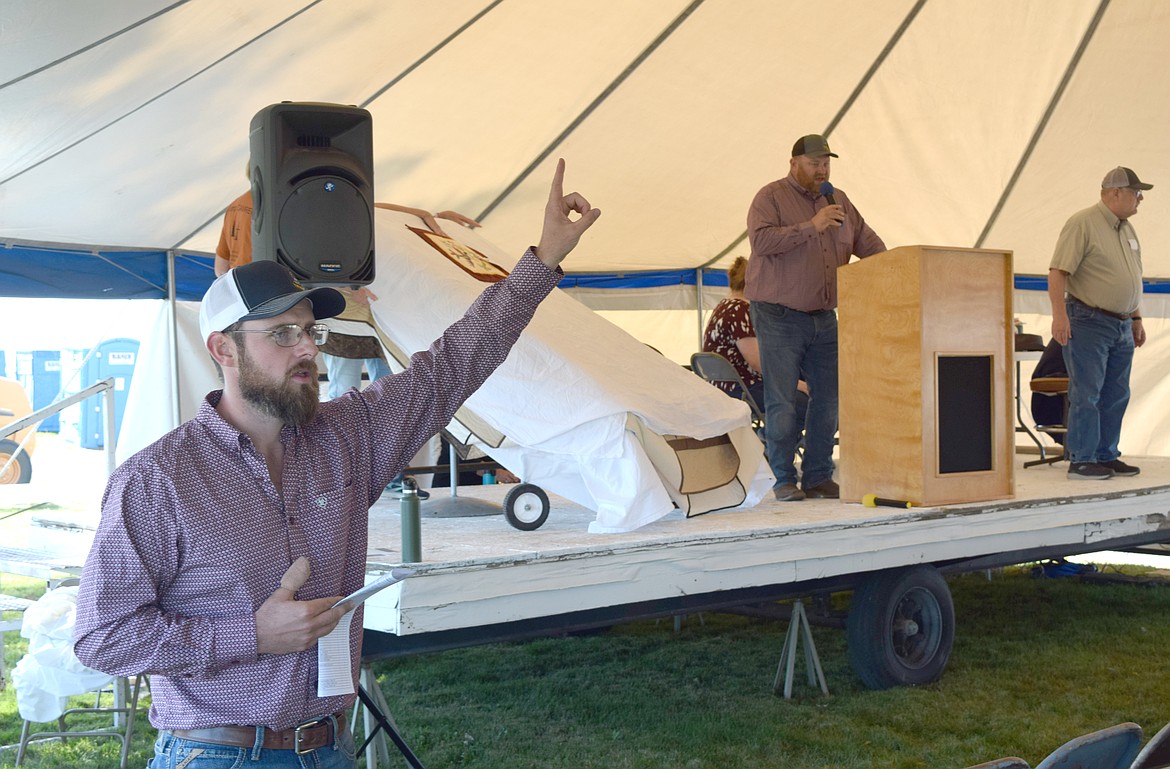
801, 230
224, 546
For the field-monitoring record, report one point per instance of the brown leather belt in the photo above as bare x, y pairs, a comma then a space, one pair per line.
1109, 313
306, 737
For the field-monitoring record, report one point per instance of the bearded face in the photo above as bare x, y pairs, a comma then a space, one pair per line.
810, 172
279, 397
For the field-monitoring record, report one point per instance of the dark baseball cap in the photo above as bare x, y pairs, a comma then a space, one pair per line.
1123, 177
813, 145
258, 290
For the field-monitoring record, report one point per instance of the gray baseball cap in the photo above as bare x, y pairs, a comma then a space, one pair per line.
1124, 177
813, 145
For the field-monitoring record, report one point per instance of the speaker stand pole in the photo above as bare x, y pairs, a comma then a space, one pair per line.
376, 709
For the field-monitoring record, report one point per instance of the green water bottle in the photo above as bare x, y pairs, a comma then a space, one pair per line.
411, 527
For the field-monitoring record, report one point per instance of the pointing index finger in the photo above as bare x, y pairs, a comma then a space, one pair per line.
558, 184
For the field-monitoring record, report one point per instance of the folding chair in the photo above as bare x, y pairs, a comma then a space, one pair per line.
124, 690
1156, 753
9, 603
1010, 762
1049, 386
1111, 748
1053, 387
714, 368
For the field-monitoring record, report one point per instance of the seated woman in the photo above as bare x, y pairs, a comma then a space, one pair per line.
730, 333
1048, 409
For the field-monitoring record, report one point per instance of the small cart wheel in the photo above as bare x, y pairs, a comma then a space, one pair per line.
526, 507
19, 466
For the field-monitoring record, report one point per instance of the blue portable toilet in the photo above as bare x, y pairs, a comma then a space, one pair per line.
46, 385
114, 358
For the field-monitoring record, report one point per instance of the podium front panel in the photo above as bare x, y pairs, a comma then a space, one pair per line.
926, 375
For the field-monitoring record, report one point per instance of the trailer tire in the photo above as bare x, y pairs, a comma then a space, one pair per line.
20, 471
526, 507
901, 627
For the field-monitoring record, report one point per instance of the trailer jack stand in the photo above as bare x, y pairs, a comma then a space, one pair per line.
798, 629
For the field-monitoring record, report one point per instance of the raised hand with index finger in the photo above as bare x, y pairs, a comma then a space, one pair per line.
560, 234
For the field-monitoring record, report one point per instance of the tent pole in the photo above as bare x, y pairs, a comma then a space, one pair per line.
699, 302
174, 333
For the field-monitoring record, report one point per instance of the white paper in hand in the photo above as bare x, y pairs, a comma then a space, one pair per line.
334, 665
334, 670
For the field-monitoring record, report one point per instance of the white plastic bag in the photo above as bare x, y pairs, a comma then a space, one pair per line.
50, 673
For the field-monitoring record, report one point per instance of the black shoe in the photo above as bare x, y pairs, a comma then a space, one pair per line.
788, 492
1120, 468
1089, 471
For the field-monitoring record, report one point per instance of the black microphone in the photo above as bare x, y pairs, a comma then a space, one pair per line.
827, 190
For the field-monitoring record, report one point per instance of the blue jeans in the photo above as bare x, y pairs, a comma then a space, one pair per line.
171, 752
795, 345
345, 374
756, 391
759, 394
1098, 356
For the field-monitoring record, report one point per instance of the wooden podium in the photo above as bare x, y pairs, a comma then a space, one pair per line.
926, 367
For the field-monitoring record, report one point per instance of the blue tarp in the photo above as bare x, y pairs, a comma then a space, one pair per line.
652, 279
46, 271
660, 278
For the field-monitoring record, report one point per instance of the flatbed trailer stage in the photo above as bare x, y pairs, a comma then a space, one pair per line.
483, 581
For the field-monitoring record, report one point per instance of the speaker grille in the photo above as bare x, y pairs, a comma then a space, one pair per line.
305, 140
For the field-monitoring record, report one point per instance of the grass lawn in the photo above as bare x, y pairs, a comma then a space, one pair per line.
1036, 662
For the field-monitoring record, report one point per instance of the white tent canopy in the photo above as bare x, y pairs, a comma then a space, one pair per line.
981, 123
124, 123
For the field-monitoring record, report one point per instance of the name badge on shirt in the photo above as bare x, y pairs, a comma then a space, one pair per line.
1133, 244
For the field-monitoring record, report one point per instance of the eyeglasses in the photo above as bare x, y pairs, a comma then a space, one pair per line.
290, 335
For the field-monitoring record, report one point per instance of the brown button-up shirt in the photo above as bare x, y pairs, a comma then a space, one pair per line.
791, 264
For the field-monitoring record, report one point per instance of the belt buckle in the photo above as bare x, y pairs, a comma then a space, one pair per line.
297, 733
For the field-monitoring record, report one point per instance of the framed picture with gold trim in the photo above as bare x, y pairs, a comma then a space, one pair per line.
465, 257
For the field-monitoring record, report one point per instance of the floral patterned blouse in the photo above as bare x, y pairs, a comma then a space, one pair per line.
730, 321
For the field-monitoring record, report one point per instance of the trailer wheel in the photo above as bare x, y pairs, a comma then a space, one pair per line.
20, 471
901, 627
526, 507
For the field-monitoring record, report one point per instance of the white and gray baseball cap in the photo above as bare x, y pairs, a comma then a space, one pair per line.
258, 290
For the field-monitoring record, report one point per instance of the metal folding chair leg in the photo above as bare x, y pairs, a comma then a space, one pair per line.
123, 713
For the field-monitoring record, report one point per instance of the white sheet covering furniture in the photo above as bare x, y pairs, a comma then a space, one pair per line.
579, 407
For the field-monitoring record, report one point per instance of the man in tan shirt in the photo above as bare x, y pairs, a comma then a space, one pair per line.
1095, 285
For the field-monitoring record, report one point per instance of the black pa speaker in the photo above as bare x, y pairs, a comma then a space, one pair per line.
313, 191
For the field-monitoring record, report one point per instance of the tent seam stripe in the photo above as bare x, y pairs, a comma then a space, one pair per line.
742, 237
160, 95
873, 67
849, 101
369, 100
426, 56
597, 102
1074, 62
94, 44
